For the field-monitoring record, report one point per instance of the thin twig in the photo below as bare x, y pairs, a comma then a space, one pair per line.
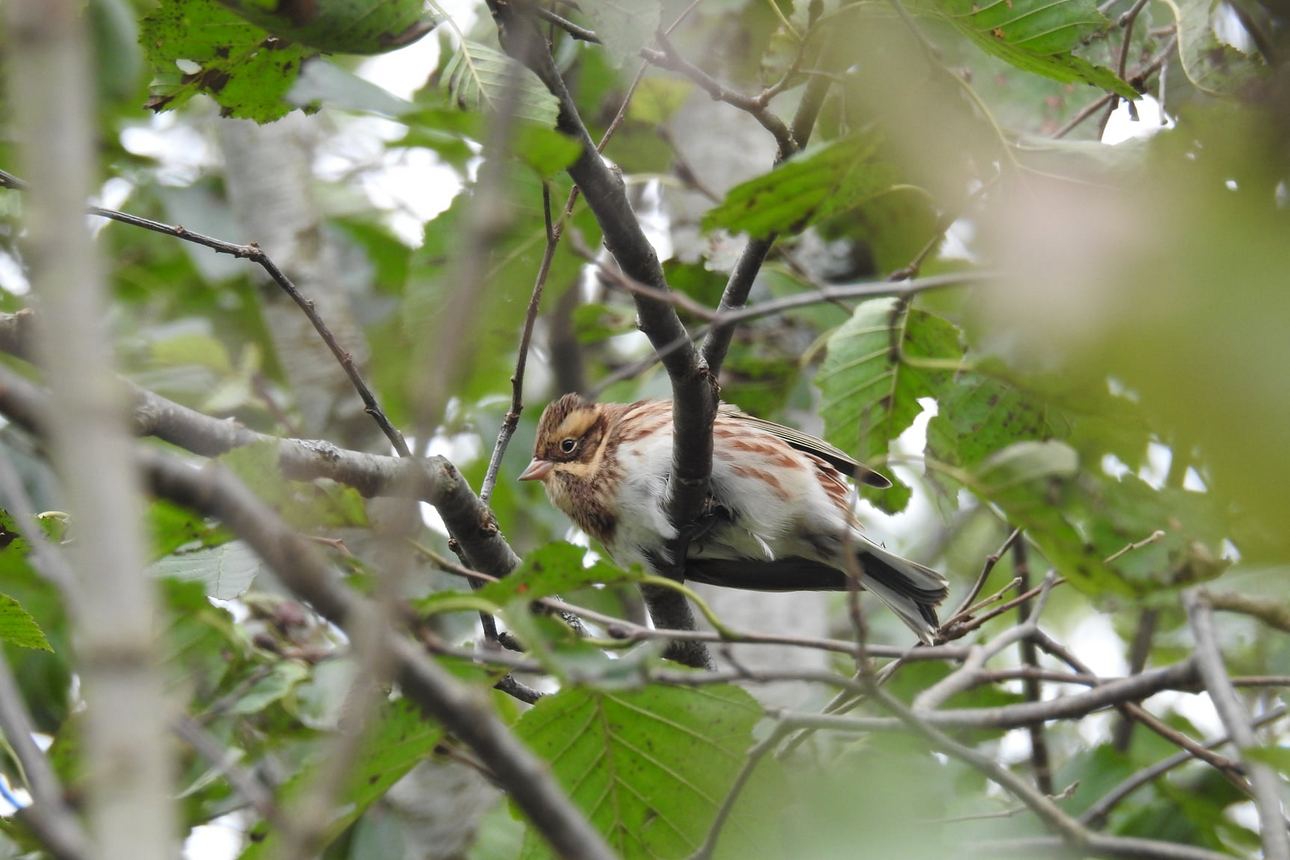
1096, 814
1228, 768
256, 255
1126, 22
215, 492
1139, 653
222, 760
48, 816
1093, 107
512, 419
670, 58
986, 568
1264, 782
755, 756
1040, 760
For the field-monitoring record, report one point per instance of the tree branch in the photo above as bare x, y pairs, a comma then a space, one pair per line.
256, 255
462, 711
694, 391
48, 817
1264, 782
433, 480
129, 801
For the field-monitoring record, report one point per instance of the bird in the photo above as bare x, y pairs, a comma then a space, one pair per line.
779, 517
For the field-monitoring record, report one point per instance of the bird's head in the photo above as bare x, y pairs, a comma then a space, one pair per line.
568, 439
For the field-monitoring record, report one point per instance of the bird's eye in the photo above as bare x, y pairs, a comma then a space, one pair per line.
567, 445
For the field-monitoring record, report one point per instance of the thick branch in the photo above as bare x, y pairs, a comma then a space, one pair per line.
694, 391
129, 802
433, 480
463, 711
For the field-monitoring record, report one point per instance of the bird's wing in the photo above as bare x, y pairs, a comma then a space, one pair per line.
835, 457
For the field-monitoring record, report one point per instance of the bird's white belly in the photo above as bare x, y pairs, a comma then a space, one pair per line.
764, 519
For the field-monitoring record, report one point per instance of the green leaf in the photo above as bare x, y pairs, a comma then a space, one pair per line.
305, 506
281, 680
1037, 36
657, 99
1193, 526
871, 379
17, 627
233, 61
1278, 757
1211, 64
545, 150
649, 767
225, 571
556, 568
624, 26
401, 739
342, 26
324, 83
1033, 484
478, 78
813, 185
893, 226
979, 416
174, 527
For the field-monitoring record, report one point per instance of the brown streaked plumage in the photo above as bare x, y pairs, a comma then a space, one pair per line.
782, 508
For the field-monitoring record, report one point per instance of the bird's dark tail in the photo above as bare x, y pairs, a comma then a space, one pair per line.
909, 589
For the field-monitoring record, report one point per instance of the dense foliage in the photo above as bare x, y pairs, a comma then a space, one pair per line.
1071, 356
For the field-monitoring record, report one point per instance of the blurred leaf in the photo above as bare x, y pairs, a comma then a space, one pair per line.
624, 26
280, 682
1033, 484
1097, 770
594, 322
657, 99
815, 184
225, 571
1193, 526
1212, 65
233, 61
878, 799
757, 376
556, 568
545, 150
697, 281
978, 416
173, 527
500, 836
118, 58
324, 83
1278, 757
893, 226
478, 76
649, 767
305, 506
871, 380
17, 627
388, 255
402, 738
342, 26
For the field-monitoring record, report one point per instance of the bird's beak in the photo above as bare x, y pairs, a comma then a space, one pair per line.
537, 470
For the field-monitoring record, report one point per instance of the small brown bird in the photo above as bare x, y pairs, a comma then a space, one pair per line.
781, 506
